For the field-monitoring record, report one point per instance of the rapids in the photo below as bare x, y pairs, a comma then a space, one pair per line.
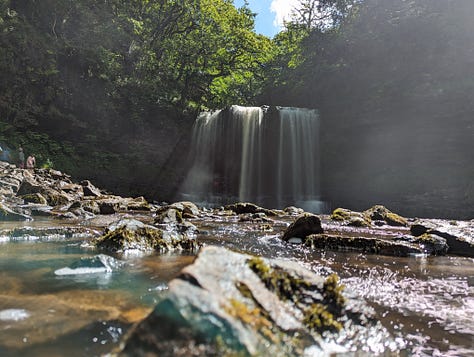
61, 297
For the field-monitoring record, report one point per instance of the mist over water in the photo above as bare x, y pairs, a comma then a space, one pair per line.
269, 156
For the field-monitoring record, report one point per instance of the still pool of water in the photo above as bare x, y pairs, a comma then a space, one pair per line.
59, 297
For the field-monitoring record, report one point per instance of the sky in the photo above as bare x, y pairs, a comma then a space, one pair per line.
270, 14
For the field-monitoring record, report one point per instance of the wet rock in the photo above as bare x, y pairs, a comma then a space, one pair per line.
89, 189
7, 214
138, 204
188, 209
109, 205
90, 206
255, 217
293, 211
41, 210
169, 216
56, 198
400, 247
228, 303
91, 265
351, 218
245, 207
459, 235
132, 235
27, 233
381, 213
432, 244
29, 186
35, 198
303, 226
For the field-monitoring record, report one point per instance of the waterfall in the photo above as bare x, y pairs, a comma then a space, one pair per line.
269, 157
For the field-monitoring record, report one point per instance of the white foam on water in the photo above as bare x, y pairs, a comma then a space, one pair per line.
14, 315
80, 271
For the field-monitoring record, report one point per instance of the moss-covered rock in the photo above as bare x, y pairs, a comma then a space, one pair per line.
381, 213
129, 235
246, 207
302, 227
373, 245
459, 235
351, 218
35, 198
169, 216
250, 306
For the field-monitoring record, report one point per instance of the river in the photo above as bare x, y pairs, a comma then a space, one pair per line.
60, 297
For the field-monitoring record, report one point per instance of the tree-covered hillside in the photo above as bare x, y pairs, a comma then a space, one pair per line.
393, 81
94, 86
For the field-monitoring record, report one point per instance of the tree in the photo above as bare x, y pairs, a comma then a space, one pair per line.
320, 14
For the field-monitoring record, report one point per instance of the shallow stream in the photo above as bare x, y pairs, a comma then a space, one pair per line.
59, 297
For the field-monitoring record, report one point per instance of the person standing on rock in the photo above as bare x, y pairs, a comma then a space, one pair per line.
30, 162
21, 158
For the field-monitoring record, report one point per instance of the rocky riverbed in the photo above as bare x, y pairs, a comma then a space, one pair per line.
232, 299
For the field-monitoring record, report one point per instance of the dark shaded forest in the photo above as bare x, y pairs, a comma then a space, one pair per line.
108, 90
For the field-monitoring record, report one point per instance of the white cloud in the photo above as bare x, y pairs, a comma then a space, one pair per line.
282, 10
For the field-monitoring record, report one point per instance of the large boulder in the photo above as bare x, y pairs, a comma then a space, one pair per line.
303, 226
228, 303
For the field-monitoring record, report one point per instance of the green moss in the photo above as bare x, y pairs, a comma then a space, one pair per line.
286, 286
340, 214
148, 238
34, 198
319, 319
251, 316
332, 291
351, 218
426, 238
394, 219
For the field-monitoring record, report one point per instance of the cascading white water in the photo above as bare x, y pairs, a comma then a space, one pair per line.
298, 162
246, 154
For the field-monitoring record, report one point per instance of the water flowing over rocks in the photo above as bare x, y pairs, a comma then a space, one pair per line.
227, 303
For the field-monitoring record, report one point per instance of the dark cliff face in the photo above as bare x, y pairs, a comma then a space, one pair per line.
419, 165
